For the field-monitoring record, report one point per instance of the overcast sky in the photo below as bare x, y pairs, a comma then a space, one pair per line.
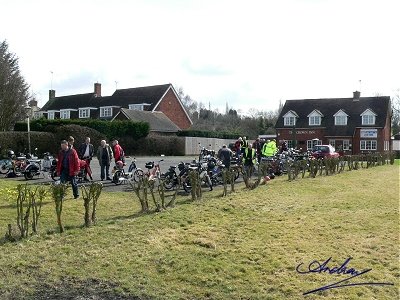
251, 54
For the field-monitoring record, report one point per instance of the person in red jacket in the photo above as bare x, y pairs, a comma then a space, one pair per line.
118, 152
68, 166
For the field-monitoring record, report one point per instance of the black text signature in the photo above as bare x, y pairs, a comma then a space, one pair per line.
317, 267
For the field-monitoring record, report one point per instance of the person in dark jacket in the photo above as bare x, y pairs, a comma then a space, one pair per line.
105, 156
86, 152
68, 166
225, 155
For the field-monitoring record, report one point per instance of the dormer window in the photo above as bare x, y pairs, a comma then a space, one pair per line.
106, 111
290, 118
314, 118
64, 114
368, 117
84, 113
51, 115
341, 118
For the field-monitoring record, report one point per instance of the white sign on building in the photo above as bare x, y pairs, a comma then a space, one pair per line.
369, 133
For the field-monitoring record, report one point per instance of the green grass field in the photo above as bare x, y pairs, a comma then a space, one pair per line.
243, 246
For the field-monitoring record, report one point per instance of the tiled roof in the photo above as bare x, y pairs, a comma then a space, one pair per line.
72, 102
147, 94
158, 121
328, 107
123, 97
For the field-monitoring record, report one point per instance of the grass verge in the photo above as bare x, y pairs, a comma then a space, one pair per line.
244, 246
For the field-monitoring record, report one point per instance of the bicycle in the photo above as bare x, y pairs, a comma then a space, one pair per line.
153, 170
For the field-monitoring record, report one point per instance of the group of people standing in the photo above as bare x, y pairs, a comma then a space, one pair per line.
249, 153
70, 160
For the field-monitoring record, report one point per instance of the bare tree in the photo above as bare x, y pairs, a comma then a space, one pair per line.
395, 101
13, 89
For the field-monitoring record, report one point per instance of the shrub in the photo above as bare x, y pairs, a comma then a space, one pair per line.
114, 129
18, 142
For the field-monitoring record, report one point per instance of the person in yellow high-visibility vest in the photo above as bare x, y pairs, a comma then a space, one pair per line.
249, 159
269, 149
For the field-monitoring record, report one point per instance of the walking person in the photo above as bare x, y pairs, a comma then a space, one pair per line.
68, 166
86, 152
105, 156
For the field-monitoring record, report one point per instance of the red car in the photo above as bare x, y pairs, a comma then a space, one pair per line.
322, 151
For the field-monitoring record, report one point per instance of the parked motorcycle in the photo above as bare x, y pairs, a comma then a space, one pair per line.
170, 178
201, 168
35, 167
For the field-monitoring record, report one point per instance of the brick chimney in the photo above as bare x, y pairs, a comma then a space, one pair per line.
356, 96
97, 89
52, 94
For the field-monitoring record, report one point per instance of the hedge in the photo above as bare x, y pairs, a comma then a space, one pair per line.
50, 141
18, 142
209, 134
115, 129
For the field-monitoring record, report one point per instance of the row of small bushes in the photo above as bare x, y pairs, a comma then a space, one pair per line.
114, 129
209, 134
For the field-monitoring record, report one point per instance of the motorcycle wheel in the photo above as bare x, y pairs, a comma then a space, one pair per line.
4, 167
168, 182
117, 175
187, 186
28, 175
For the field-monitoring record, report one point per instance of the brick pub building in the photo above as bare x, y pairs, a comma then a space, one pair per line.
352, 125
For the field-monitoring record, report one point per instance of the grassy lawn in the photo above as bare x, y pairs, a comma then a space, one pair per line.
244, 246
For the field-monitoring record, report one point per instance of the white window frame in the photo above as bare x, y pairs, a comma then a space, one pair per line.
289, 119
340, 120
346, 145
332, 142
314, 118
105, 109
368, 120
368, 145
368, 117
65, 114
312, 143
386, 146
84, 113
51, 115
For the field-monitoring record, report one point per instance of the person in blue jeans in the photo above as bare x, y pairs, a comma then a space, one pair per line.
68, 166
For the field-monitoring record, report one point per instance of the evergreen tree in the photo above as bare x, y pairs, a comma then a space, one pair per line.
13, 89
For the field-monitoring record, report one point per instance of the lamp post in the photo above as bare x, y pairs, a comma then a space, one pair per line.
28, 111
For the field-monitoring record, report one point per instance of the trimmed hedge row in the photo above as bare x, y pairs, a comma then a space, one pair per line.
209, 134
114, 129
50, 141
18, 142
